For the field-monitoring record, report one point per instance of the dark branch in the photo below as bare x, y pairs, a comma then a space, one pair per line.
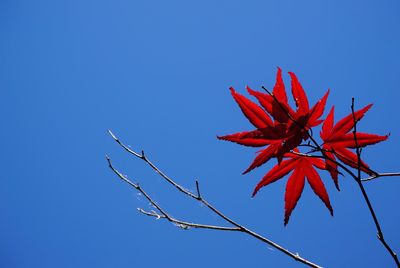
364, 193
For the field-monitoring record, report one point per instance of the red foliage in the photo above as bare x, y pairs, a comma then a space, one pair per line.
282, 129
302, 167
339, 138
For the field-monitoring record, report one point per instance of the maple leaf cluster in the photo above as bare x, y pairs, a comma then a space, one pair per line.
281, 129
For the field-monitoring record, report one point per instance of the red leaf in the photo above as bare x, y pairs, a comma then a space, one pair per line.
275, 174
302, 167
350, 159
263, 156
317, 111
279, 111
277, 132
280, 106
331, 166
337, 139
328, 124
299, 95
363, 139
279, 88
248, 138
276, 106
289, 144
318, 186
264, 99
347, 123
257, 116
318, 163
294, 188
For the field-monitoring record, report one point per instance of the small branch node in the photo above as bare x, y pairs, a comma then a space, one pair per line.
182, 226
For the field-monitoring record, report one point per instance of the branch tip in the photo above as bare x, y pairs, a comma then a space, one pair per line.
269, 92
112, 135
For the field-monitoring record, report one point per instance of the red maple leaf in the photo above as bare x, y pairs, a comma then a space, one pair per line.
302, 167
286, 129
339, 138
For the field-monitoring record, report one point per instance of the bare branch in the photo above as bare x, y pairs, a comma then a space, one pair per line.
199, 198
364, 193
163, 214
373, 177
144, 158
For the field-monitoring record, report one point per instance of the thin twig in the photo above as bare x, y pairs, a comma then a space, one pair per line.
373, 177
364, 193
198, 190
200, 198
144, 158
151, 213
164, 214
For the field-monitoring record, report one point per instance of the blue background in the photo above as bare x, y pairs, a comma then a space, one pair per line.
157, 73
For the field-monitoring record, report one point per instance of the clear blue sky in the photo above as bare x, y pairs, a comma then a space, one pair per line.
157, 73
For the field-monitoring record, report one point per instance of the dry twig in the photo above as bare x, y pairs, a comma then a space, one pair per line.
197, 196
373, 177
